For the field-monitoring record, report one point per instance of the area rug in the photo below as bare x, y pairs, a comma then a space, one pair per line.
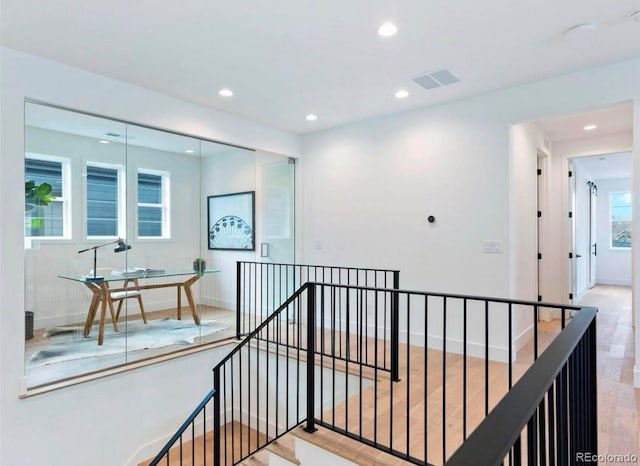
67, 343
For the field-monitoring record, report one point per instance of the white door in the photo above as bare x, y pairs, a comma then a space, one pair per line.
278, 206
573, 272
592, 234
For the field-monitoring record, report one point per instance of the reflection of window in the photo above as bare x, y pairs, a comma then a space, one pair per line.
620, 218
153, 204
52, 220
105, 208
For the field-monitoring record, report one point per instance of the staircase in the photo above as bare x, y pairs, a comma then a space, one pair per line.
331, 364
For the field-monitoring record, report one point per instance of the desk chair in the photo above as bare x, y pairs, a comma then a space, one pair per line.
120, 296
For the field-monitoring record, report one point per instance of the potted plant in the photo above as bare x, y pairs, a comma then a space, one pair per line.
37, 194
34, 195
199, 265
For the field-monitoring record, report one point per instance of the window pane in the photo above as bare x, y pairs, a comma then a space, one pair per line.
44, 171
149, 221
102, 201
43, 220
149, 188
620, 211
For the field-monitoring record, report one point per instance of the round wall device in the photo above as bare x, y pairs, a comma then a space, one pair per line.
431, 219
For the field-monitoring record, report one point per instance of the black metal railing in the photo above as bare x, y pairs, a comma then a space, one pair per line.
455, 361
450, 374
186, 451
261, 287
550, 415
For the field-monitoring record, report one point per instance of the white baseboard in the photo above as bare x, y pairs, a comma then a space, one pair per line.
612, 281
227, 304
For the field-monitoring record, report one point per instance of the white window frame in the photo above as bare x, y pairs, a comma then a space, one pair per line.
165, 206
122, 211
66, 194
611, 246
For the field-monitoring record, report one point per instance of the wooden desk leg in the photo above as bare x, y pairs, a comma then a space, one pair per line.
91, 314
103, 313
192, 304
179, 303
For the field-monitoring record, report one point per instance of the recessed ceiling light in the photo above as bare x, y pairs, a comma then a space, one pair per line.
311, 117
590, 127
102, 141
189, 151
401, 94
387, 30
635, 16
226, 92
580, 29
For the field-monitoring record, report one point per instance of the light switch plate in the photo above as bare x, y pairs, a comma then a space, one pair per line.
492, 246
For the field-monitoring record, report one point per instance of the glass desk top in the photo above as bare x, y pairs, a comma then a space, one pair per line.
136, 272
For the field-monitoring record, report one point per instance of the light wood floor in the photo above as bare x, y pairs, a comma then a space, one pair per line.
403, 404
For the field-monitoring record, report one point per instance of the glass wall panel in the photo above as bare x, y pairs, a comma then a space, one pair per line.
120, 262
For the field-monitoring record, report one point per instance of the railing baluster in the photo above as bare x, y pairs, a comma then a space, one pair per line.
464, 369
311, 358
395, 329
217, 405
444, 380
239, 289
486, 357
408, 394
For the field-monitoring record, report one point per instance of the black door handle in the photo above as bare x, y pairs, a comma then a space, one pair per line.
578, 256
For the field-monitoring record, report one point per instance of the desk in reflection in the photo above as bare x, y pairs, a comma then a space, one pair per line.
101, 292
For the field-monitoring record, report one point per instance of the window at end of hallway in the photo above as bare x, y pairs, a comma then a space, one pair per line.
620, 219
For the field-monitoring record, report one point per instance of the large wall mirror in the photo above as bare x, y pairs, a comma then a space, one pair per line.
119, 219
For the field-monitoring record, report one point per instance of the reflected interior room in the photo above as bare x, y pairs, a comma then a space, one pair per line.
119, 262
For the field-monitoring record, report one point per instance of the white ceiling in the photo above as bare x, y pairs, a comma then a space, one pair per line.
287, 58
612, 119
606, 166
55, 119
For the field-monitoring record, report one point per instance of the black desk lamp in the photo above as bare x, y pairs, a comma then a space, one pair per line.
122, 246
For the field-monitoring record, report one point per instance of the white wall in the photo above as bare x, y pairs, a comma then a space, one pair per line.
369, 186
133, 408
613, 266
527, 141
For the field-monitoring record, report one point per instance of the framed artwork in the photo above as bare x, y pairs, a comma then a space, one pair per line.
230, 221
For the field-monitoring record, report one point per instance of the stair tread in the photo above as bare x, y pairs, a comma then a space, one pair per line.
279, 448
350, 449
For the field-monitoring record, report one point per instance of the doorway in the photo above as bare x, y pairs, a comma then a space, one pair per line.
600, 222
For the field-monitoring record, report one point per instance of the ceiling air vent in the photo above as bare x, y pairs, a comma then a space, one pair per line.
436, 79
